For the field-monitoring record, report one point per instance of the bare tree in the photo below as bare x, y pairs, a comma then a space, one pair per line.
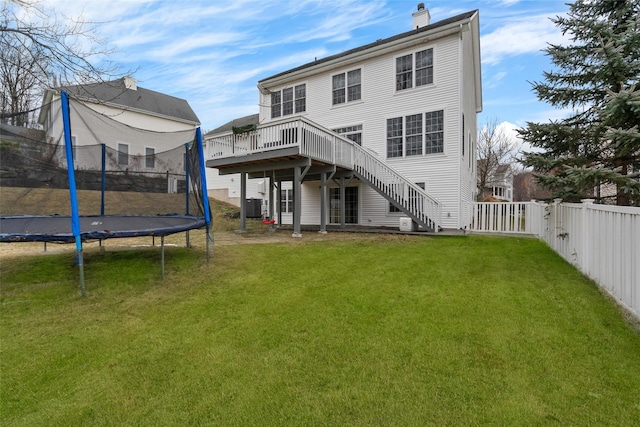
496, 152
526, 187
38, 47
20, 85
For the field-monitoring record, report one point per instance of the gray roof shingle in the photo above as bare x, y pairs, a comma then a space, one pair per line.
115, 92
380, 42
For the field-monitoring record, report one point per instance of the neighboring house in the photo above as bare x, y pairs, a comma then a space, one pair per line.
373, 136
125, 102
499, 183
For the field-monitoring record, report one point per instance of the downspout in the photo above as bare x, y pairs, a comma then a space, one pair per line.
460, 117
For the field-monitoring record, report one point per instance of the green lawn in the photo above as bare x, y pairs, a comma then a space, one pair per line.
408, 331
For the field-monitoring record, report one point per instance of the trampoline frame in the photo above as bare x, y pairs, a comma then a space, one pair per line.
93, 227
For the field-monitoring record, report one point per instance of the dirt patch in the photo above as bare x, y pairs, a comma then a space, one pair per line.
196, 240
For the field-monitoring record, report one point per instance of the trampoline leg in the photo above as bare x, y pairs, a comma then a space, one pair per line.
45, 246
80, 262
209, 238
188, 238
162, 255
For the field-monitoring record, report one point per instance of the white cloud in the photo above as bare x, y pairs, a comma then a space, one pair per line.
519, 36
510, 131
494, 80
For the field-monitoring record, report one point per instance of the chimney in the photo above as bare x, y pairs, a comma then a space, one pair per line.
130, 83
421, 18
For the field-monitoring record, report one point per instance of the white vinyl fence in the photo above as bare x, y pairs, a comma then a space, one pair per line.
601, 241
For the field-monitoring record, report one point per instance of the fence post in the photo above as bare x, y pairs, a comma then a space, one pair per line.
585, 259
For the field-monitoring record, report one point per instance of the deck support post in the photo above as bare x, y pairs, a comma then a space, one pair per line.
272, 182
343, 204
279, 202
243, 202
323, 203
297, 202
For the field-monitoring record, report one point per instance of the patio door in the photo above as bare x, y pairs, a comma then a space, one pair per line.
351, 205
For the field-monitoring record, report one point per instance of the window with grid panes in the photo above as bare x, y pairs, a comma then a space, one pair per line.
301, 98
150, 157
276, 104
354, 88
74, 147
354, 133
339, 95
408, 141
286, 201
414, 70
413, 143
424, 67
346, 87
123, 154
434, 132
289, 101
404, 72
394, 137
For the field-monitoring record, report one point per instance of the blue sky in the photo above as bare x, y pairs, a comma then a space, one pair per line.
213, 52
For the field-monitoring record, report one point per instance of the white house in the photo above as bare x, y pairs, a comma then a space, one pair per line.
499, 182
126, 103
381, 135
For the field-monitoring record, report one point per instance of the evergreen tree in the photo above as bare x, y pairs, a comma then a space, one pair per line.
595, 152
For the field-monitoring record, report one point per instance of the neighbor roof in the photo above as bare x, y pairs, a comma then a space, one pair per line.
444, 22
115, 93
20, 133
253, 119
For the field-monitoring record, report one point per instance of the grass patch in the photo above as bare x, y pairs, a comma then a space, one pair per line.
387, 331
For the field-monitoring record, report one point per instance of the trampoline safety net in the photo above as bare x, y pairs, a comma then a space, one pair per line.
120, 170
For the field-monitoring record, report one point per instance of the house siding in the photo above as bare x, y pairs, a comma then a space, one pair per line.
86, 136
468, 160
380, 101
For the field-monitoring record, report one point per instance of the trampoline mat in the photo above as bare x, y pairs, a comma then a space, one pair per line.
57, 228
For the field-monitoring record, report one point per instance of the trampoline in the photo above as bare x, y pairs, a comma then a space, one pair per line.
120, 182
57, 228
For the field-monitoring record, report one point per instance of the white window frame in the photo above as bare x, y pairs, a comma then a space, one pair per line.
286, 200
345, 98
74, 147
412, 81
148, 156
353, 132
298, 101
425, 151
402, 135
122, 145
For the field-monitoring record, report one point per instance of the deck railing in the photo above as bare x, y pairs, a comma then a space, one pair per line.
602, 241
406, 195
319, 143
